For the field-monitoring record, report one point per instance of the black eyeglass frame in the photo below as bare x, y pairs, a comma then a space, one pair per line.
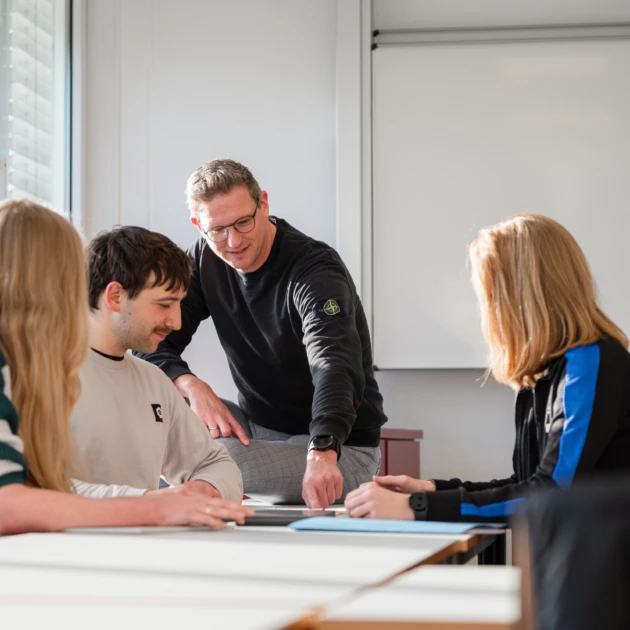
226, 228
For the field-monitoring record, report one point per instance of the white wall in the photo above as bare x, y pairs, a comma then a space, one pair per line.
468, 426
170, 85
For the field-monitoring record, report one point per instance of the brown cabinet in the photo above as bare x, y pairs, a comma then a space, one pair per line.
400, 452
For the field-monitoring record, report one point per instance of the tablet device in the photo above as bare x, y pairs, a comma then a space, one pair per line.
271, 517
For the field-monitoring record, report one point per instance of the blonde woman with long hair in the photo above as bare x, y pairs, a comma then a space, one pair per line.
549, 341
43, 342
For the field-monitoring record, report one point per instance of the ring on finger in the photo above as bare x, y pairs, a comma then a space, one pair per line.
208, 509
213, 428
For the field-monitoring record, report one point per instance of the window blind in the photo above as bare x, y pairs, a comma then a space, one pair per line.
33, 83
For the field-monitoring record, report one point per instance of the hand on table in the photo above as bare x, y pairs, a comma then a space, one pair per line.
372, 501
323, 481
174, 509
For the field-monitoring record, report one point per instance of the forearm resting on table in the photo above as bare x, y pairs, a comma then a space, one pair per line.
26, 509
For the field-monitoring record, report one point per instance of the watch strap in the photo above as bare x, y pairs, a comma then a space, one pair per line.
419, 503
334, 444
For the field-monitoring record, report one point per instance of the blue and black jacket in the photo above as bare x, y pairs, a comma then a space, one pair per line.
574, 424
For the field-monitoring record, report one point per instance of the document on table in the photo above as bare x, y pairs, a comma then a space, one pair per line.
385, 526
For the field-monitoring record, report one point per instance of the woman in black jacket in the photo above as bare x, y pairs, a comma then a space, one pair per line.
569, 363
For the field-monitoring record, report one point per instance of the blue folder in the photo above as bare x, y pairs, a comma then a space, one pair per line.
341, 524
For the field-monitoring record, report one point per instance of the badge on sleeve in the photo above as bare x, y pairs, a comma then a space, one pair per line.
328, 309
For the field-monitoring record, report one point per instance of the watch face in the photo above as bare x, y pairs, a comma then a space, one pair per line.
323, 442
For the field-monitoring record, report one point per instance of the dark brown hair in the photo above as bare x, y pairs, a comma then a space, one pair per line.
130, 255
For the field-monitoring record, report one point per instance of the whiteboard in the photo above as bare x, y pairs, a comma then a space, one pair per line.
466, 135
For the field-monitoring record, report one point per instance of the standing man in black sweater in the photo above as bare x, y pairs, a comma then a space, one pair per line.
288, 316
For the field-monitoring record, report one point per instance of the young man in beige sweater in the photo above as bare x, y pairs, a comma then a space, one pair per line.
131, 426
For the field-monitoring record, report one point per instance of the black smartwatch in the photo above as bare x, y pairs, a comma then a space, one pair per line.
419, 503
325, 443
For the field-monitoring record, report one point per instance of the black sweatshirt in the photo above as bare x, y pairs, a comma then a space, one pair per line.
295, 335
573, 425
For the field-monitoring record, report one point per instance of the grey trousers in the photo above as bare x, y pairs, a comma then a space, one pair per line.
274, 463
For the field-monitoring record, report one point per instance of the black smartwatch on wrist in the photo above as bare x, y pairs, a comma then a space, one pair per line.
419, 503
325, 443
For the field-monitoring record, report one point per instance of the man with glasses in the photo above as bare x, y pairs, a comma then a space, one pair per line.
288, 316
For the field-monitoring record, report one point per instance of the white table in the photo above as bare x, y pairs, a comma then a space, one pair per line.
445, 597
48, 583
258, 553
248, 578
138, 615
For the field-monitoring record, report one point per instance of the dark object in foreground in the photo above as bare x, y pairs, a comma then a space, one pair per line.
580, 552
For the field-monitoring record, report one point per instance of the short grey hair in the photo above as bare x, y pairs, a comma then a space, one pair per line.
218, 178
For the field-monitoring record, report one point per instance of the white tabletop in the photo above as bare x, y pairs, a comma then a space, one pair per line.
284, 555
485, 595
286, 536
95, 615
243, 577
43, 583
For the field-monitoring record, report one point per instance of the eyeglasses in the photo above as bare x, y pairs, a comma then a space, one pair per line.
242, 225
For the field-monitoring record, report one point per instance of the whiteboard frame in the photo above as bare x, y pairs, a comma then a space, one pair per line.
354, 145
518, 36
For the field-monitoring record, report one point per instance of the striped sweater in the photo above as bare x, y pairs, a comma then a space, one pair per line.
12, 464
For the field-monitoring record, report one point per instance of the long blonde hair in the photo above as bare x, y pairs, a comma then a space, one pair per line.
43, 332
536, 295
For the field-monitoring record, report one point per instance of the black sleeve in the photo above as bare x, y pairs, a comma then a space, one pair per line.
168, 356
495, 500
472, 486
584, 417
325, 300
